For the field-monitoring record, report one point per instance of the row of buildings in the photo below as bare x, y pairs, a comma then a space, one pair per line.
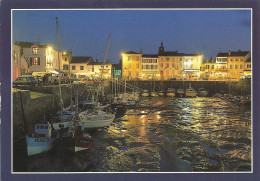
29, 57
167, 65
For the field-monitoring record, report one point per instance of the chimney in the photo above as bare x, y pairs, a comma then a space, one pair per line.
229, 53
141, 51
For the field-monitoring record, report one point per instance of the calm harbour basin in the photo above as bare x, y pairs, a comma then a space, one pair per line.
162, 134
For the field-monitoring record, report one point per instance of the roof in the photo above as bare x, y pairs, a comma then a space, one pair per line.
150, 56
100, 63
29, 44
222, 55
170, 53
248, 60
238, 53
176, 54
77, 59
131, 52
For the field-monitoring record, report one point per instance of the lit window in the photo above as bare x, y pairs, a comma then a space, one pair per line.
73, 67
231, 60
236, 59
241, 66
236, 66
34, 61
81, 67
34, 50
248, 65
231, 66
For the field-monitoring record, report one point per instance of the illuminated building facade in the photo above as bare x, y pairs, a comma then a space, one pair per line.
163, 66
39, 58
131, 65
150, 67
19, 64
236, 63
95, 70
65, 62
79, 66
248, 68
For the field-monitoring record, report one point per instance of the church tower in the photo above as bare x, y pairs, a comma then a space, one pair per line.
161, 48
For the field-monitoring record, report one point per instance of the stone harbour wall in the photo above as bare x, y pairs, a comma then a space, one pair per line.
30, 106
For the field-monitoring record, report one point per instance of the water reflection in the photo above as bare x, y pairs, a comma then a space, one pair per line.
162, 134
220, 128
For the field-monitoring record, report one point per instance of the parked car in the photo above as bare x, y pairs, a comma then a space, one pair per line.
38, 79
25, 80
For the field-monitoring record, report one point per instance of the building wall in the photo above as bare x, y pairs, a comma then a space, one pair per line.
131, 66
41, 53
77, 70
235, 67
16, 62
65, 62
150, 68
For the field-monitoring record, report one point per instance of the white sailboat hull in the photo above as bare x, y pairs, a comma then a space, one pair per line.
59, 125
154, 94
170, 94
145, 94
191, 94
94, 124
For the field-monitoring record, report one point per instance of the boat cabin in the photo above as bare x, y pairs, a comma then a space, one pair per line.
43, 129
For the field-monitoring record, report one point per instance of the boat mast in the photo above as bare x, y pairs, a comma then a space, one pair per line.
58, 48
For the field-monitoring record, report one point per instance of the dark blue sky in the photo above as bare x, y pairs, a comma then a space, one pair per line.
86, 31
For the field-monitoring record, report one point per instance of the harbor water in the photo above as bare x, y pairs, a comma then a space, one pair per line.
162, 134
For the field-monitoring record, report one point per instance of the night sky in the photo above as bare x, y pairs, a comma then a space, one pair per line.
86, 31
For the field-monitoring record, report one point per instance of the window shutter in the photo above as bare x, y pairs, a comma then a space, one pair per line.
31, 61
39, 61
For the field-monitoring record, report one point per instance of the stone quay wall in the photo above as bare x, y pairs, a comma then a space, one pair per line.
213, 87
31, 106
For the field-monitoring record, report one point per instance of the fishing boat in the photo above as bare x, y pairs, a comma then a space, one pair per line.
161, 93
190, 92
180, 92
63, 120
42, 139
94, 119
170, 92
154, 94
145, 93
202, 92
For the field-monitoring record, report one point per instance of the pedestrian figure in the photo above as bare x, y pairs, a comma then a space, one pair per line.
44, 80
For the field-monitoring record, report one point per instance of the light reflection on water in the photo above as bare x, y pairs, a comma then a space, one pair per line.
189, 134
226, 125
